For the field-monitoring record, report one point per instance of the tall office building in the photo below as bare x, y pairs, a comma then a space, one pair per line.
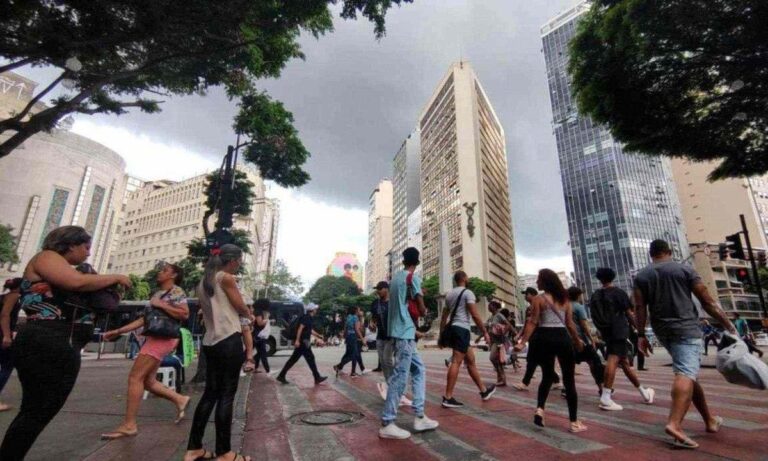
465, 184
379, 234
406, 192
616, 203
162, 217
711, 209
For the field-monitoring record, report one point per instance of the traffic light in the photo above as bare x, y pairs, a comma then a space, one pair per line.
734, 245
762, 259
722, 250
742, 275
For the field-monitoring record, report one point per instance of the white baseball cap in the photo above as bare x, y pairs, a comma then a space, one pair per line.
311, 307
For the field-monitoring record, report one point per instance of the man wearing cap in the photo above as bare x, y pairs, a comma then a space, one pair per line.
303, 345
402, 331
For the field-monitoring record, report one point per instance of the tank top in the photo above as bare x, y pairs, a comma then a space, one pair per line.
221, 318
550, 316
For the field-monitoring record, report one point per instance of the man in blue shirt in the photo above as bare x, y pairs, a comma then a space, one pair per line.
402, 333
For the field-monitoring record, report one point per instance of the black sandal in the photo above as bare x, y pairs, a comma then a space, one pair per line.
240, 457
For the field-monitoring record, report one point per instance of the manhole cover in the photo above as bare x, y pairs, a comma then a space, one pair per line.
326, 417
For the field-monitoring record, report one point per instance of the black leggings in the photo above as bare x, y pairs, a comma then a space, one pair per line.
304, 350
352, 354
223, 361
596, 367
260, 344
531, 362
554, 343
48, 367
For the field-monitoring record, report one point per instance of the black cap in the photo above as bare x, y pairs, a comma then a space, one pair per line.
531, 291
381, 285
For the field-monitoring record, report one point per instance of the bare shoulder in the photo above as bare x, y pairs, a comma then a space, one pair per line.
228, 280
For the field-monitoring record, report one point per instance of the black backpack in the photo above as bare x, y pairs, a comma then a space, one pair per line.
293, 328
602, 312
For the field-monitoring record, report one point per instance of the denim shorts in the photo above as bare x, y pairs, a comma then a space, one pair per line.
686, 355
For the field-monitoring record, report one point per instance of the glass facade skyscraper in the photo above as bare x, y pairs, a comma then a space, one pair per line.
616, 202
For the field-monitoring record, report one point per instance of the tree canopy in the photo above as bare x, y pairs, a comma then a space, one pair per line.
332, 293
678, 78
7, 245
140, 289
242, 196
122, 54
280, 284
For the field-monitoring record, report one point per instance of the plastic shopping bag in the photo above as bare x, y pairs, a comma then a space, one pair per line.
738, 366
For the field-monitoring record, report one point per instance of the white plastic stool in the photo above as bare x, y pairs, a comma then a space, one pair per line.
165, 376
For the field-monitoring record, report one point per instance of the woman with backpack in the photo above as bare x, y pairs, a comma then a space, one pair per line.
46, 351
551, 329
172, 301
498, 328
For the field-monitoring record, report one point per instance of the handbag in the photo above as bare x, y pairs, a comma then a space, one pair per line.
158, 324
443, 340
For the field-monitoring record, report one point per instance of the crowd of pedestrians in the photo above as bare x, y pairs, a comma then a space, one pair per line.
557, 331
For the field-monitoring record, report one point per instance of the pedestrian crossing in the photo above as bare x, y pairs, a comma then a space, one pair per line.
502, 428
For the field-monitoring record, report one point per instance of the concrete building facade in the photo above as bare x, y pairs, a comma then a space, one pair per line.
163, 217
379, 234
406, 190
616, 202
465, 183
711, 209
55, 179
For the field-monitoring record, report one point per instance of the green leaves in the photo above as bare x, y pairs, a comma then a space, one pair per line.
274, 144
7, 245
129, 48
678, 78
140, 289
281, 284
334, 293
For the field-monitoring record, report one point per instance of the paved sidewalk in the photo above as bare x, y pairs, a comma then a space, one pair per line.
499, 429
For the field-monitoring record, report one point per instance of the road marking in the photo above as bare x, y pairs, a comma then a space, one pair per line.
310, 443
439, 443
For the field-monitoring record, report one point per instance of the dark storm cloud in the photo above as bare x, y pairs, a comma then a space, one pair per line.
355, 99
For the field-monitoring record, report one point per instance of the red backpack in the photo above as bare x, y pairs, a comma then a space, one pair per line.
413, 305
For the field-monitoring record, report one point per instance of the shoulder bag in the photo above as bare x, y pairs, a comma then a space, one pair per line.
444, 339
158, 324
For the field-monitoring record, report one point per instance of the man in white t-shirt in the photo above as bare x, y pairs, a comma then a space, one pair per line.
460, 305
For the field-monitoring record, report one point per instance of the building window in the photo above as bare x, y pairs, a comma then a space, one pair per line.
97, 199
55, 212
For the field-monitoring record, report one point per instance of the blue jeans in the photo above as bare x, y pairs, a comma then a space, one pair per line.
686, 355
352, 353
407, 360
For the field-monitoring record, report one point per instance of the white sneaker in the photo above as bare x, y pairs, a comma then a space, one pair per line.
405, 402
391, 431
610, 405
365, 372
424, 424
382, 387
648, 395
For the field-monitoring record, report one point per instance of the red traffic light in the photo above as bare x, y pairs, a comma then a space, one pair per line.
742, 275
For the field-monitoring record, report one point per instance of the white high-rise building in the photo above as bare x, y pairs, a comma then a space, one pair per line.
465, 184
406, 191
379, 234
162, 217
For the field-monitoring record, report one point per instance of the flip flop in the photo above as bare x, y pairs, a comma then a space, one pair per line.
685, 443
239, 457
180, 412
249, 366
718, 423
207, 455
114, 435
578, 427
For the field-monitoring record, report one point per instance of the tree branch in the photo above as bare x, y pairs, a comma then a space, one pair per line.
20, 116
14, 65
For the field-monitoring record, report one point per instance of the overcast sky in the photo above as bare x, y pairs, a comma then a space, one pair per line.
354, 100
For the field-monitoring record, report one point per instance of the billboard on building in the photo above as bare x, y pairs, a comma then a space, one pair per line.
346, 265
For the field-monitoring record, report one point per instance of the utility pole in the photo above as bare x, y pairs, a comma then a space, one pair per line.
753, 263
222, 233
